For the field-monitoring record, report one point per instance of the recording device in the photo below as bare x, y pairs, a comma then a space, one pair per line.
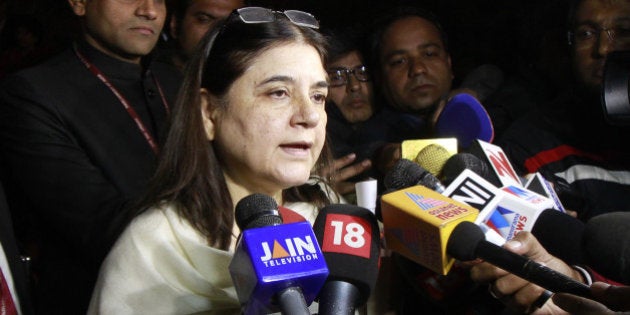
406, 173
459, 162
349, 237
502, 173
467, 243
276, 267
615, 92
417, 223
464, 118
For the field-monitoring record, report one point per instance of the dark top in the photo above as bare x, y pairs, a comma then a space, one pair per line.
18, 268
569, 143
73, 159
365, 138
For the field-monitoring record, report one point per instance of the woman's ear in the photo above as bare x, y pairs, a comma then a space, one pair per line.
77, 6
208, 108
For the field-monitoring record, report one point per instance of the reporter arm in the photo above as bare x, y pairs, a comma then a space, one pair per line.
516, 292
607, 299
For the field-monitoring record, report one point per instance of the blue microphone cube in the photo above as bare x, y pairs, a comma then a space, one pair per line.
270, 259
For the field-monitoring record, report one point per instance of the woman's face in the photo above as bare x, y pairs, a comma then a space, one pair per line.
271, 131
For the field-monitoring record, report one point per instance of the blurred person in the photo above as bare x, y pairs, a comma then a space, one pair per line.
569, 140
191, 19
79, 135
250, 118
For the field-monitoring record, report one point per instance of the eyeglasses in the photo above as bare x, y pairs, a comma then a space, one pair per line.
253, 15
586, 35
340, 76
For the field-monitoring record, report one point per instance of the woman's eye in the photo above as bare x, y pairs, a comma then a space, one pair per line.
279, 93
319, 98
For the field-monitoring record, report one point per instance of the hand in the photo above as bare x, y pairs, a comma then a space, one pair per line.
342, 169
516, 292
612, 298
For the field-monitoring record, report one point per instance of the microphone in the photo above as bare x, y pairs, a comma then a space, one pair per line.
502, 173
606, 245
417, 223
459, 162
276, 267
464, 118
349, 237
537, 183
432, 158
467, 243
508, 211
406, 173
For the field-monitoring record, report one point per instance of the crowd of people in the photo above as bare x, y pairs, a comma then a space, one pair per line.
123, 156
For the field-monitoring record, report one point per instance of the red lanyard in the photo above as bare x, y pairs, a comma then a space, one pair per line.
132, 113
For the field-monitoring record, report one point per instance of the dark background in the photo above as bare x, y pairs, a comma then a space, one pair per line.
516, 35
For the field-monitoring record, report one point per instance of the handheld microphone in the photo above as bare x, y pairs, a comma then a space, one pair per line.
467, 243
349, 237
406, 173
432, 158
417, 222
464, 118
276, 267
537, 183
459, 162
607, 246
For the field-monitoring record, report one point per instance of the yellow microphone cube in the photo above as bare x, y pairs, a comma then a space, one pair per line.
418, 222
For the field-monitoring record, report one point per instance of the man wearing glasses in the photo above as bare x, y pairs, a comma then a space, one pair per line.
356, 126
569, 141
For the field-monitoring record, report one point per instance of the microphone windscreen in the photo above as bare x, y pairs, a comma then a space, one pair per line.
257, 210
462, 243
464, 118
561, 235
606, 245
350, 238
406, 173
432, 158
459, 162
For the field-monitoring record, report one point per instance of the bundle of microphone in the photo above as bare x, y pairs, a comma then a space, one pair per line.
286, 267
464, 209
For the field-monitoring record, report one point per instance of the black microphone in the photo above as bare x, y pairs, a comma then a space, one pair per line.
467, 242
606, 245
459, 162
349, 237
561, 235
406, 173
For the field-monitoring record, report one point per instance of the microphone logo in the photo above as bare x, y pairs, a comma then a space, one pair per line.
348, 235
424, 203
295, 250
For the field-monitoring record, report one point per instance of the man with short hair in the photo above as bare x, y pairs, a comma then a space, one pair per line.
79, 137
191, 19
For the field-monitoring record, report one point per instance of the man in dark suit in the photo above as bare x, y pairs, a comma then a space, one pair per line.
79, 137
11, 265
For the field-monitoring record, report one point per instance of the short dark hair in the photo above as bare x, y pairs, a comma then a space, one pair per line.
395, 14
344, 40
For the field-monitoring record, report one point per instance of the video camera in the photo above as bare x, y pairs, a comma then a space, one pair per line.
615, 88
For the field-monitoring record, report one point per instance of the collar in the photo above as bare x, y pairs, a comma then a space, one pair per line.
114, 68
